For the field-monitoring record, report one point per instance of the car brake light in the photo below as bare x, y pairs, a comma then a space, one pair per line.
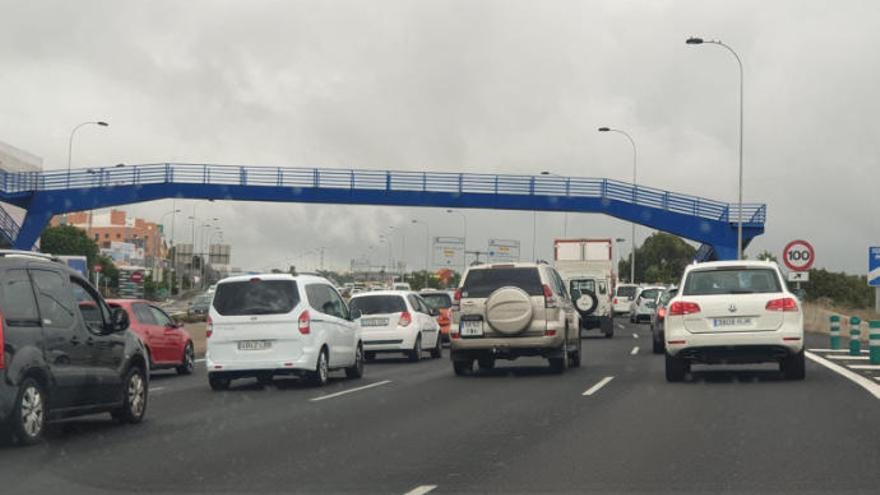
549, 333
209, 328
679, 308
549, 300
456, 300
305, 323
661, 313
2, 343
615, 300
782, 304
405, 319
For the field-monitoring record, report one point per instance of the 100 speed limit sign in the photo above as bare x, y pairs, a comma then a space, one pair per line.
798, 255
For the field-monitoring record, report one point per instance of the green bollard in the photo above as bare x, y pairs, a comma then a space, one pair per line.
855, 343
835, 332
874, 341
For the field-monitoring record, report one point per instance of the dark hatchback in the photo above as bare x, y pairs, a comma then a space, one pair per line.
65, 351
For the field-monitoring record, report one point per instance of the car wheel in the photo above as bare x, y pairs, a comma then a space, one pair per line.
659, 347
437, 351
186, 368
416, 353
135, 394
369, 356
218, 381
793, 367
28, 418
463, 367
486, 362
576, 358
559, 364
676, 368
357, 370
321, 375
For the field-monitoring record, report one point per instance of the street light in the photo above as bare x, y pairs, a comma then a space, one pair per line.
464, 239
632, 267
739, 227
70, 143
427, 247
616, 242
565, 213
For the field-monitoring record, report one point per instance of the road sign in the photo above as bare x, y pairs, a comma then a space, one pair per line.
798, 255
98, 268
136, 277
798, 276
503, 250
448, 252
874, 266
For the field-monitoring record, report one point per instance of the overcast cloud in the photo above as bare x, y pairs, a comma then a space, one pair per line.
490, 86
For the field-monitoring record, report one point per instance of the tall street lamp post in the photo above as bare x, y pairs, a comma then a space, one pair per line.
632, 266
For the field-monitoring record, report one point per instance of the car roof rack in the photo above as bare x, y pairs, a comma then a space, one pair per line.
27, 254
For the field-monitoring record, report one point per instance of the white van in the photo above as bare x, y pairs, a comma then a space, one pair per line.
279, 324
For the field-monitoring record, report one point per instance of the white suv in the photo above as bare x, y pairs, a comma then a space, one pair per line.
266, 325
734, 312
397, 321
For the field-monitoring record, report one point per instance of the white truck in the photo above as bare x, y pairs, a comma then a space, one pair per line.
587, 267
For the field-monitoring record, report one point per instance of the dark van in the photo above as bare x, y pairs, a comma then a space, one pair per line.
65, 351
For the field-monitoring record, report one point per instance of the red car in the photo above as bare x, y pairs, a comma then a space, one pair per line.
168, 344
442, 302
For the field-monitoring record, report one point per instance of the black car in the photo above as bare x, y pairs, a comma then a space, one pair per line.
65, 351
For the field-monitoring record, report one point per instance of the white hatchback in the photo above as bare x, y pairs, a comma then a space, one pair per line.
397, 321
266, 325
734, 312
623, 296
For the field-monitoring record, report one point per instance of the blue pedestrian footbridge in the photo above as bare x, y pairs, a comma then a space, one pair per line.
49, 193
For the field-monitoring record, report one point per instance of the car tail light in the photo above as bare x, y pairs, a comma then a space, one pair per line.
209, 328
2, 344
782, 304
405, 319
615, 300
456, 300
549, 333
677, 342
305, 323
679, 308
661, 313
549, 300
454, 333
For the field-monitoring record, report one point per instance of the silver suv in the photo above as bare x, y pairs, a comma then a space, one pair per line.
510, 310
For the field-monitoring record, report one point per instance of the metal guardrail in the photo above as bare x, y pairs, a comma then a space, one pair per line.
443, 182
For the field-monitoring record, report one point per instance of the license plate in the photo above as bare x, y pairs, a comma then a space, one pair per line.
471, 328
731, 322
374, 322
254, 345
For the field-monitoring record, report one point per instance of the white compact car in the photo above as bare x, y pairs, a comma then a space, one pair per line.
643, 305
397, 321
279, 324
734, 312
623, 297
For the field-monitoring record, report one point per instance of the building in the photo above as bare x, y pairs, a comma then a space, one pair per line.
111, 228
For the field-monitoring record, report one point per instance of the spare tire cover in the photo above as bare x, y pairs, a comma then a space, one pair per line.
587, 303
509, 310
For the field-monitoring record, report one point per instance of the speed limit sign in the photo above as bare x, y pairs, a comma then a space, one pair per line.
798, 255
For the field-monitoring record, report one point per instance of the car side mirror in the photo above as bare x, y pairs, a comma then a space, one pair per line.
355, 314
118, 320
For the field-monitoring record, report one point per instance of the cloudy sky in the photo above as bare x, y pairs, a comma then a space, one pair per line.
490, 86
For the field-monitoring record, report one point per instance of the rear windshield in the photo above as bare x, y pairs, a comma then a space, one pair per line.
626, 291
666, 296
583, 286
650, 294
482, 283
731, 281
256, 297
378, 305
438, 301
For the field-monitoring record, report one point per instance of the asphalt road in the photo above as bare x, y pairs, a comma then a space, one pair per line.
517, 429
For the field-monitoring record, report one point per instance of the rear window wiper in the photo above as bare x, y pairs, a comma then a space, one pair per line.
742, 291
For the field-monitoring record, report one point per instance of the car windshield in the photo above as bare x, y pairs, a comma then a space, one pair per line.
256, 297
438, 301
731, 281
378, 304
626, 291
482, 283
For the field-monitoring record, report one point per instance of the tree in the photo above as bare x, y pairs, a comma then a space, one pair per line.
767, 256
662, 258
69, 240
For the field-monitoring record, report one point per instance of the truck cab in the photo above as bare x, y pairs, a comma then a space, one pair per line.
587, 268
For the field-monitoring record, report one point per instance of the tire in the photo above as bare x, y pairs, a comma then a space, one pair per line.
135, 393
218, 381
357, 370
321, 375
28, 418
676, 368
369, 356
793, 367
658, 346
576, 359
186, 368
437, 351
463, 367
607, 325
416, 353
486, 363
559, 364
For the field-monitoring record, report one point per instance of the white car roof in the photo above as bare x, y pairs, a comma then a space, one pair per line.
389, 292
711, 265
275, 276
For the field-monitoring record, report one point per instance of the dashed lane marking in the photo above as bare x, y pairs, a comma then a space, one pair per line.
848, 358
870, 386
421, 490
635, 335
634, 351
351, 390
620, 326
865, 366
595, 388
833, 350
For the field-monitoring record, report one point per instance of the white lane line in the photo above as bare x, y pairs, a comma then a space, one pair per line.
635, 335
634, 351
357, 389
871, 387
864, 366
421, 490
834, 350
620, 326
199, 360
156, 389
848, 358
595, 388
